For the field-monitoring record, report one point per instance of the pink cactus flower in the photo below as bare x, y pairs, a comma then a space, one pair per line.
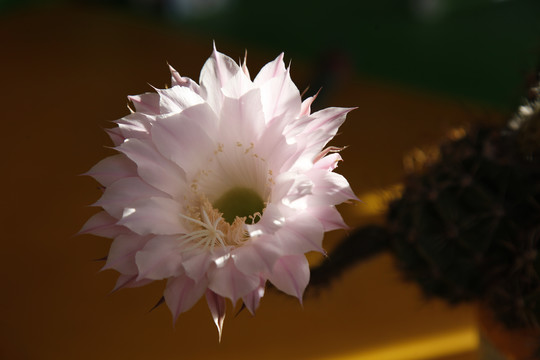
219, 187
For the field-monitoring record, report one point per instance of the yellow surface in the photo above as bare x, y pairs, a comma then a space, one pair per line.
429, 347
65, 75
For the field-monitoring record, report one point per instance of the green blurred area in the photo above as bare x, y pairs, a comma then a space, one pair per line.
482, 51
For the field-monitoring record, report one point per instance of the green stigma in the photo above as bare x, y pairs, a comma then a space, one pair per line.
239, 201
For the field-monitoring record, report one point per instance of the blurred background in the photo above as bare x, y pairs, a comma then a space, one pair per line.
415, 69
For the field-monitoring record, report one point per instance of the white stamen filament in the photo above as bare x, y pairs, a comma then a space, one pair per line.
207, 236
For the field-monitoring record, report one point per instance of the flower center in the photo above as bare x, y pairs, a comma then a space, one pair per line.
239, 202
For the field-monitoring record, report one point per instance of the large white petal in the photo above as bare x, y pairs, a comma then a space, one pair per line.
291, 275
329, 188
328, 216
122, 253
215, 74
122, 193
301, 234
226, 280
129, 281
187, 138
112, 168
153, 168
279, 93
251, 300
183, 81
242, 120
182, 293
196, 264
160, 258
155, 215
217, 307
176, 99
146, 103
103, 224
258, 255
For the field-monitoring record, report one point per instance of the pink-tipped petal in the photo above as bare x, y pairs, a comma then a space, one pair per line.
112, 168
177, 80
177, 99
116, 136
252, 300
182, 136
196, 265
227, 281
291, 275
103, 224
215, 74
329, 217
146, 103
280, 97
129, 281
160, 258
155, 215
330, 188
122, 253
124, 192
328, 162
246, 115
259, 255
217, 307
153, 168
301, 234
182, 293
270, 70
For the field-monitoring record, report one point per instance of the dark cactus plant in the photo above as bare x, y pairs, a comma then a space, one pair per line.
467, 225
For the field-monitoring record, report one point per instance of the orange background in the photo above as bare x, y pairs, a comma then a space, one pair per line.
65, 75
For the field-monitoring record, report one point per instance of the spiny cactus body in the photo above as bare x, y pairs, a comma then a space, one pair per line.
467, 226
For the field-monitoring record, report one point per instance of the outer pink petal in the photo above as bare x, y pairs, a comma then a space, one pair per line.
186, 138
272, 220
112, 168
160, 259
215, 74
301, 234
182, 293
238, 85
258, 255
122, 253
227, 281
146, 103
153, 168
270, 70
321, 129
306, 105
329, 188
103, 224
176, 99
197, 265
328, 162
136, 125
279, 94
291, 275
329, 217
217, 307
251, 300
242, 119
274, 148
155, 215
116, 135
129, 281
122, 193
176, 79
